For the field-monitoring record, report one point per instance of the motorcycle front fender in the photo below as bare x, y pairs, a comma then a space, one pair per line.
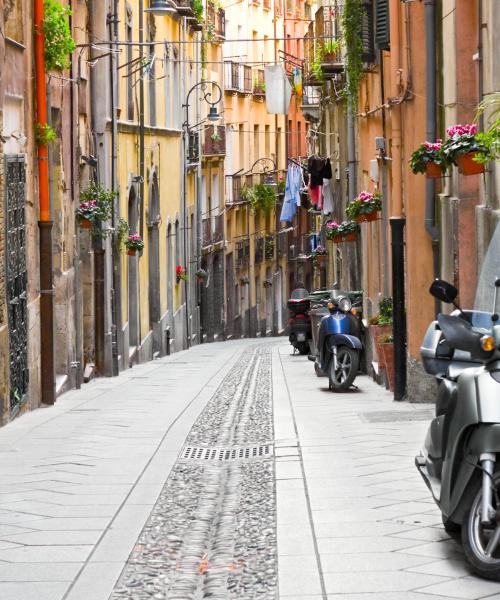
343, 339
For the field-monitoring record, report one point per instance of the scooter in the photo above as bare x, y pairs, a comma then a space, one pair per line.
299, 322
459, 461
339, 347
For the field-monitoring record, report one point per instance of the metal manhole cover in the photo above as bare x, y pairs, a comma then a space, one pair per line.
387, 416
223, 454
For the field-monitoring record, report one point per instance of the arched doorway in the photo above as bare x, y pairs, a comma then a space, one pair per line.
133, 274
154, 252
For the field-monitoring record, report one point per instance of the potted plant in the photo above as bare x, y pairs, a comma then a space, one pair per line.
347, 231
133, 243
259, 87
330, 50
267, 283
201, 275
365, 207
386, 343
381, 324
180, 274
59, 43
428, 158
96, 206
465, 149
320, 254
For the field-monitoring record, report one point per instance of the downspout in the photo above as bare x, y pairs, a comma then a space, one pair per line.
351, 153
77, 364
48, 387
431, 99
116, 279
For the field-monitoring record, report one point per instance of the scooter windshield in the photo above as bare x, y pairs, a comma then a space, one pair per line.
490, 270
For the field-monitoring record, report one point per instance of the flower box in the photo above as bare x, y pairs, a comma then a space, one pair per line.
373, 216
348, 237
132, 252
433, 171
85, 224
365, 207
468, 166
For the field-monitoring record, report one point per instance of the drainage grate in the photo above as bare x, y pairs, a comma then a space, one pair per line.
197, 453
387, 416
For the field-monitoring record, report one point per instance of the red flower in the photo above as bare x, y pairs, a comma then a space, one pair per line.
179, 270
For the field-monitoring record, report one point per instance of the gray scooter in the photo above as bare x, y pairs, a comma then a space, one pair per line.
460, 461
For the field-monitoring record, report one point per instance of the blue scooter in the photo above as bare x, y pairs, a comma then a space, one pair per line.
339, 347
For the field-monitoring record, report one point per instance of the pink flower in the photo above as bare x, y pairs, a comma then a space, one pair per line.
332, 225
458, 130
436, 146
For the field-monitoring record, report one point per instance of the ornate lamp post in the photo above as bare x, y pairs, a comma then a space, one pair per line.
211, 93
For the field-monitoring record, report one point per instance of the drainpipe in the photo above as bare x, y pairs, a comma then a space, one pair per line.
351, 153
48, 387
431, 98
116, 275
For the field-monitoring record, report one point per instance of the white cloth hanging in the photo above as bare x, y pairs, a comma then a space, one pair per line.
327, 197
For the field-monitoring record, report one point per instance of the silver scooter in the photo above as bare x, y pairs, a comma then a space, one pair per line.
459, 459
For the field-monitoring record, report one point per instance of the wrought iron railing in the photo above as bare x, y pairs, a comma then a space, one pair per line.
214, 143
207, 232
218, 229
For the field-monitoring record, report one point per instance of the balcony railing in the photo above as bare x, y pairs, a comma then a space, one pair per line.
237, 185
214, 143
242, 253
269, 247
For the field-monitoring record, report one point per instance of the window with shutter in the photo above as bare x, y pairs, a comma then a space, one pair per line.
367, 32
382, 27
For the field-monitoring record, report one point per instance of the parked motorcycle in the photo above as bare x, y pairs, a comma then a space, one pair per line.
338, 344
459, 461
299, 322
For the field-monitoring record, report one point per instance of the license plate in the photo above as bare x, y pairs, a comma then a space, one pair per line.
301, 337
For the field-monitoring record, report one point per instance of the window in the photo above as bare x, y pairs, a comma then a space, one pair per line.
241, 141
130, 66
279, 154
256, 148
14, 22
290, 137
267, 140
299, 138
177, 245
152, 73
367, 32
176, 91
168, 85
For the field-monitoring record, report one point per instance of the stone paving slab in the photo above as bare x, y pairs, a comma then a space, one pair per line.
373, 528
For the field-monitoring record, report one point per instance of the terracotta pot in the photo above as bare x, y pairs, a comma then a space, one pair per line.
373, 216
321, 258
131, 251
468, 166
350, 237
377, 332
85, 224
388, 351
433, 171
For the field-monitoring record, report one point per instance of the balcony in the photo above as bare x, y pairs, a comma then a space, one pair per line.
259, 85
214, 142
310, 102
184, 7
193, 157
237, 78
216, 21
237, 185
327, 29
269, 247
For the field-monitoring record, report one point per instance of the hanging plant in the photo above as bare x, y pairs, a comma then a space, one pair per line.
122, 233
316, 65
59, 43
45, 134
352, 27
201, 275
134, 243
261, 197
269, 249
197, 7
364, 207
96, 206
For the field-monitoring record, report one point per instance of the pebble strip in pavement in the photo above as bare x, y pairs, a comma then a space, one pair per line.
212, 533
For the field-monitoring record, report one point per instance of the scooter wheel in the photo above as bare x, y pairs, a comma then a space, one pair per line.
342, 376
481, 542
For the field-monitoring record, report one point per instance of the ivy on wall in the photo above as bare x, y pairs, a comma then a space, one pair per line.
352, 27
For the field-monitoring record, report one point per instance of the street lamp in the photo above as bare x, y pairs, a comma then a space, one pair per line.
207, 90
264, 163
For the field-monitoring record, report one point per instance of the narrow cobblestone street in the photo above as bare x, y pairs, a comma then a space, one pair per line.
226, 472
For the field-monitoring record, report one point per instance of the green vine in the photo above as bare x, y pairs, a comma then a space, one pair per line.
316, 65
198, 10
261, 197
352, 27
203, 54
59, 43
122, 233
45, 134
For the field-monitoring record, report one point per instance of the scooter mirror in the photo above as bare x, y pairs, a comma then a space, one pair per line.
444, 291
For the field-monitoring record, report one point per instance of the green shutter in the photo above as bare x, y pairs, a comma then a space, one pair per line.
382, 25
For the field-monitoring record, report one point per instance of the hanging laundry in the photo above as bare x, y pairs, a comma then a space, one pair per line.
292, 193
327, 197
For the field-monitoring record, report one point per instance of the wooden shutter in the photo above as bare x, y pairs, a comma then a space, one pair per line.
382, 25
367, 32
